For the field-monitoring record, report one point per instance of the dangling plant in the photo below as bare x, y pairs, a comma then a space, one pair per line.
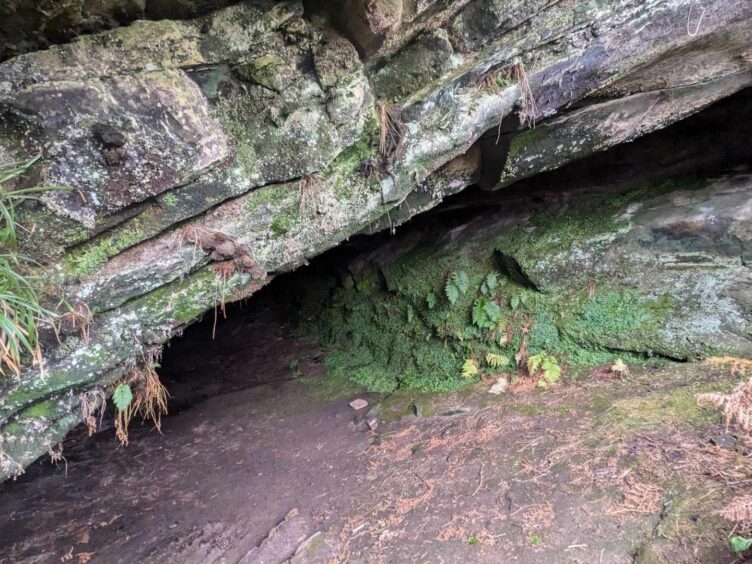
140, 392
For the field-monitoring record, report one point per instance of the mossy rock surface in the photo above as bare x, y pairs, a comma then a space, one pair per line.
580, 283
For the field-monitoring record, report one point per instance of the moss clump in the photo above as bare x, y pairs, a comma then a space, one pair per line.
677, 407
284, 221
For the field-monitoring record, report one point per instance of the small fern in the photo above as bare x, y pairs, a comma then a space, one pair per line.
489, 284
456, 286
545, 365
122, 397
486, 313
496, 361
452, 293
469, 368
431, 300
462, 281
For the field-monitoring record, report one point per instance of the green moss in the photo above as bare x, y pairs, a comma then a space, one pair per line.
347, 163
170, 199
86, 258
676, 407
42, 409
284, 221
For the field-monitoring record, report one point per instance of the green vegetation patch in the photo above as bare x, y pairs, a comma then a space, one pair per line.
431, 318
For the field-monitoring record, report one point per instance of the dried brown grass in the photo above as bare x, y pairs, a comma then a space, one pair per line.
391, 130
309, 190
149, 395
528, 107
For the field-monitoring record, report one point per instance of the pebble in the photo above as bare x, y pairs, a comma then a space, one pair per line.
358, 404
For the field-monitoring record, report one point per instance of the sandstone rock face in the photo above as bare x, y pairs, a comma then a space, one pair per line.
263, 121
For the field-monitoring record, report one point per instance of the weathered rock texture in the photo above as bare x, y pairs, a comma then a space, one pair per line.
208, 154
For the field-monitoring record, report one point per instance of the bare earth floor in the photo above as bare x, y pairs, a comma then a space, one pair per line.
601, 469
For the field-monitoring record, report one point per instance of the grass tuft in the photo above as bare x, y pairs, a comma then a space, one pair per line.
20, 311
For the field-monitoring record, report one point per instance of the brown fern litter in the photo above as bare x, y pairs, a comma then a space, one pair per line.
736, 406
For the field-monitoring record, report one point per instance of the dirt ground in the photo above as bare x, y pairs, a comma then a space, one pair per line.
263, 460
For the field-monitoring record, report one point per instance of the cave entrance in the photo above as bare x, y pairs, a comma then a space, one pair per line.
263, 459
268, 339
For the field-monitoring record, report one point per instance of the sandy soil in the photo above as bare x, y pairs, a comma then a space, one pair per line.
604, 469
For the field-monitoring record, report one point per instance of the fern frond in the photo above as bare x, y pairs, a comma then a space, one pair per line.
469, 368
496, 361
452, 293
122, 397
461, 281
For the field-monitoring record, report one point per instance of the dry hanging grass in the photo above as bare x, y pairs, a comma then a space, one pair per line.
736, 406
309, 189
391, 130
149, 395
528, 108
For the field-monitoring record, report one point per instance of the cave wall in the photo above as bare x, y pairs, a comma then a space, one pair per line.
207, 155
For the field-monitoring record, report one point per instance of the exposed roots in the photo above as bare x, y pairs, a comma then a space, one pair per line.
492, 81
149, 395
77, 318
391, 130
224, 271
528, 108
91, 402
56, 456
